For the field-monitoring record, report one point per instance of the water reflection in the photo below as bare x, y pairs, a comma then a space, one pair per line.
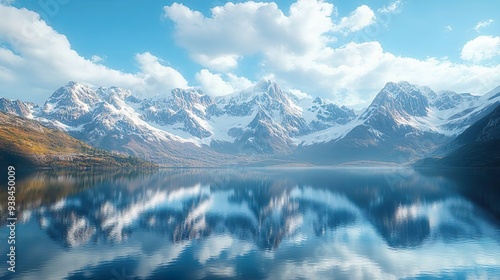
190, 223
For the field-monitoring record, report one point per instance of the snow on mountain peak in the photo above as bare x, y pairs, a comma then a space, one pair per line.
264, 83
106, 93
16, 107
318, 100
70, 104
403, 98
262, 119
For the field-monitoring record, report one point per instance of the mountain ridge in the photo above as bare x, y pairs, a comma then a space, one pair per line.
187, 127
477, 146
27, 143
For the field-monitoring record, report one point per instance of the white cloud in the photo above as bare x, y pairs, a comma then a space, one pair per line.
482, 24
300, 94
481, 48
157, 77
393, 8
239, 83
448, 28
219, 63
213, 84
353, 74
360, 18
235, 30
298, 50
36, 60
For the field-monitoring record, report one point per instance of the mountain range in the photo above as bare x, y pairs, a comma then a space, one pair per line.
477, 146
27, 143
262, 125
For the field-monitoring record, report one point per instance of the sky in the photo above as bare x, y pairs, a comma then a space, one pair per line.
344, 51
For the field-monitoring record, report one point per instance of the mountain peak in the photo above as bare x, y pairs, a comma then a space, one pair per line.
271, 88
260, 119
403, 97
264, 83
187, 98
318, 100
395, 88
76, 85
71, 84
70, 103
15, 107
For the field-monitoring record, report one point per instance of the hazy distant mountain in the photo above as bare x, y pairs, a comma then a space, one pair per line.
187, 127
403, 121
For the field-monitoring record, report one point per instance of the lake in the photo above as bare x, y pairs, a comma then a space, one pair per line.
328, 223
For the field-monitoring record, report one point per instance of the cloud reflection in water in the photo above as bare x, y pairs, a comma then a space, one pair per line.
263, 224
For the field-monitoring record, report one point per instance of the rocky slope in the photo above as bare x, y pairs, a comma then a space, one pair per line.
27, 143
477, 146
261, 124
403, 123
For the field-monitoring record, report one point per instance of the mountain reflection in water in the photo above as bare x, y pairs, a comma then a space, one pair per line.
257, 223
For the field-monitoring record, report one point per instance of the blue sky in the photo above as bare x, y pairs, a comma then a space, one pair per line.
341, 50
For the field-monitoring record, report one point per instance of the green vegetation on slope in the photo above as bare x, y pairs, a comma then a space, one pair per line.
26, 142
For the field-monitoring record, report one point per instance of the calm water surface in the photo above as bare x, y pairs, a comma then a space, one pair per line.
256, 224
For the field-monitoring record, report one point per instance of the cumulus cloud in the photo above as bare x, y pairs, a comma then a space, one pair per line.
482, 24
298, 50
235, 30
220, 63
214, 84
354, 73
239, 83
300, 94
157, 77
360, 18
36, 60
481, 48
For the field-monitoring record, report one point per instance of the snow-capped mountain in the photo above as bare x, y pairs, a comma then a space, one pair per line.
445, 100
266, 120
70, 105
111, 119
188, 127
260, 120
477, 146
182, 110
17, 107
403, 122
322, 114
